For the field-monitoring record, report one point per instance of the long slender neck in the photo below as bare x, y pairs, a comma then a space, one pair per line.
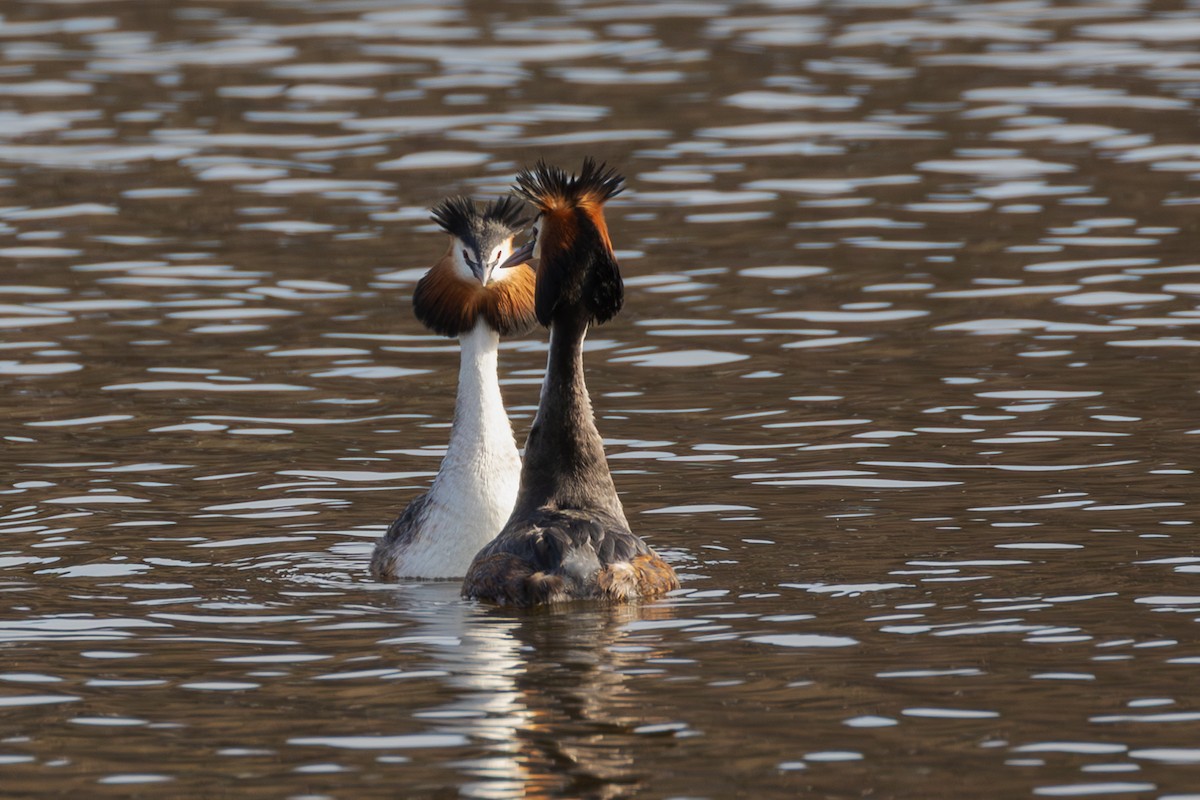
479, 418
564, 455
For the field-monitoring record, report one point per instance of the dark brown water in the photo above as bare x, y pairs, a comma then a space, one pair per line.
905, 388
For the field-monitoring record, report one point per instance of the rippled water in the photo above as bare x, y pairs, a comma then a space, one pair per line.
904, 388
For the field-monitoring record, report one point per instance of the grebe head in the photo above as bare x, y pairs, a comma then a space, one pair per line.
577, 269
478, 276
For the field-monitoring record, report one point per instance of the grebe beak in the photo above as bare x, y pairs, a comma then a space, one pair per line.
480, 269
519, 256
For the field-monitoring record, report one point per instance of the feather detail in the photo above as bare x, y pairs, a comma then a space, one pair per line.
549, 187
461, 217
449, 305
507, 304
578, 265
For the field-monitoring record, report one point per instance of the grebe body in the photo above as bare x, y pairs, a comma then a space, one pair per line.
568, 537
477, 293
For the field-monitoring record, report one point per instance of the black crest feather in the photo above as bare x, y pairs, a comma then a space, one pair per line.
508, 211
455, 215
462, 217
546, 185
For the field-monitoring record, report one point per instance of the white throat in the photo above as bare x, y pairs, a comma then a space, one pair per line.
480, 422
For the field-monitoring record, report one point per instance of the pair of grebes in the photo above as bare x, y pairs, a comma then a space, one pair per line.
549, 529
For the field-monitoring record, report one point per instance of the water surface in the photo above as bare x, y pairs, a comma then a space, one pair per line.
904, 388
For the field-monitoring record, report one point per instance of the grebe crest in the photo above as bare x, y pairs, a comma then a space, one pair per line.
578, 269
477, 278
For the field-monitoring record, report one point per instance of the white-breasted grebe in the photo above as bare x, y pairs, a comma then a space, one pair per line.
477, 292
568, 537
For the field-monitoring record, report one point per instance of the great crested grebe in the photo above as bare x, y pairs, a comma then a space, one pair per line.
567, 537
476, 292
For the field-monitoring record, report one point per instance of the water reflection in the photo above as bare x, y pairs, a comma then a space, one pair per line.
547, 695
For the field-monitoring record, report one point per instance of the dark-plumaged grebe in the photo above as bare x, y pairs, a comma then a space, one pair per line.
567, 537
476, 292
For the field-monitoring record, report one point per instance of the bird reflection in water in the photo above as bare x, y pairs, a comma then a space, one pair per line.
547, 694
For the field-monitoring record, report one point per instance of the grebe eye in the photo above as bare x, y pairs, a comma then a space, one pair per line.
465, 256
